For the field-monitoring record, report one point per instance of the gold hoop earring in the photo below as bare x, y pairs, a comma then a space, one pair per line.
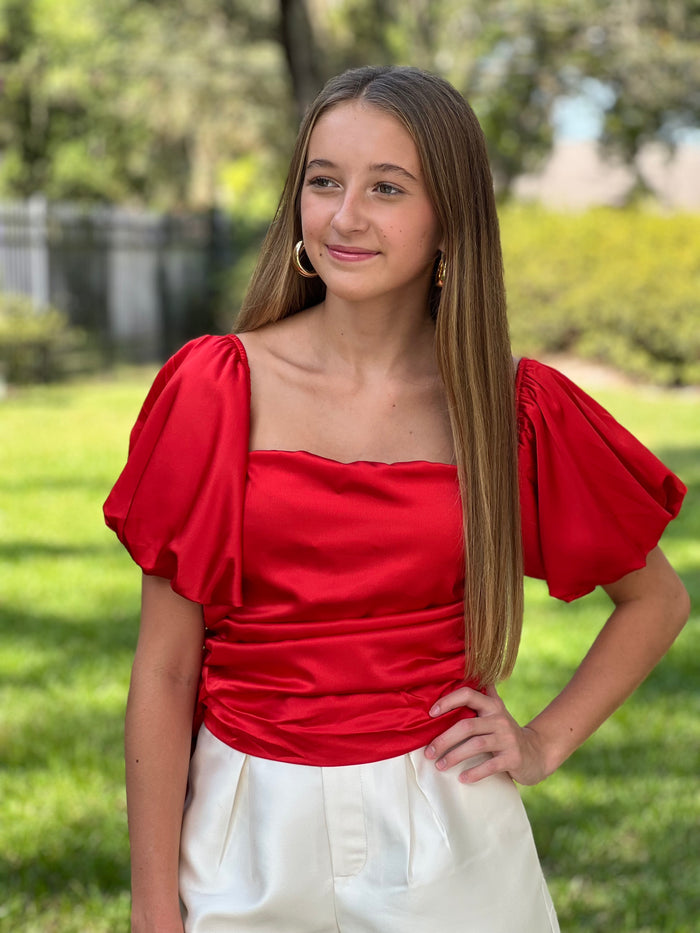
296, 262
441, 272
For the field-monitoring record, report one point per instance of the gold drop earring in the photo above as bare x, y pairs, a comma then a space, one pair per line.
441, 271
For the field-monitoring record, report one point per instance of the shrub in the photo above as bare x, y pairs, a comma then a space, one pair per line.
620, 287
36, 345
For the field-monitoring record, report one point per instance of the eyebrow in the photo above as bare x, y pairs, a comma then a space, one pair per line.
377, 167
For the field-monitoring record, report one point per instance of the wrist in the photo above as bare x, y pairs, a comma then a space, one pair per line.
149, 921
174, 926
551, 751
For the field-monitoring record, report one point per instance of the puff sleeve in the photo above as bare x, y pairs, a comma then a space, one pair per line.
177, 505
594, 501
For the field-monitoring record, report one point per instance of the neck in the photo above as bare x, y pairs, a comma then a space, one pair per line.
375, 341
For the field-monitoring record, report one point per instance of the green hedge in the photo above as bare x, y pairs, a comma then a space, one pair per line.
618, 286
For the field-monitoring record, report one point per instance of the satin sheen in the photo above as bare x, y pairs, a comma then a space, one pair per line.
352, 632
333, 592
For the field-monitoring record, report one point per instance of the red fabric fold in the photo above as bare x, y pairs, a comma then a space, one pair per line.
333, 592
593, 500
178, 505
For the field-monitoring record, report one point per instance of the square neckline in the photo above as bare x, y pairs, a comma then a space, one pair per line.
319, 457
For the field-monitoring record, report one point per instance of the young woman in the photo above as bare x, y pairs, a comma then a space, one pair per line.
338, 503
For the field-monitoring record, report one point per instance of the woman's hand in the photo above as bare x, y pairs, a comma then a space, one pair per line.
512, 748
651, 607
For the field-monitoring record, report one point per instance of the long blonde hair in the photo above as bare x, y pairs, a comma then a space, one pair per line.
471, 332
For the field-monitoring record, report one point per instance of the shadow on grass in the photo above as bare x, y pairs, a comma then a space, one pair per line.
640, 879
98, 486
617, 827
84, 855
61, 735
62, 748
624, 857
55, 647
18, 552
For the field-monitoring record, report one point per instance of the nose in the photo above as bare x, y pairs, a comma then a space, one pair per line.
350, 215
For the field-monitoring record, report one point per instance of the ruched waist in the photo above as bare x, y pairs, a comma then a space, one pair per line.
342, 691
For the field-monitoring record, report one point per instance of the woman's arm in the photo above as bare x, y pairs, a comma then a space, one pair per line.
651, 607
158, 735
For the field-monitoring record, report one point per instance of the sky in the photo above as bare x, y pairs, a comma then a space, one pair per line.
579, 118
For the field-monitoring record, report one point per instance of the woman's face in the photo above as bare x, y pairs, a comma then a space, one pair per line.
369, 227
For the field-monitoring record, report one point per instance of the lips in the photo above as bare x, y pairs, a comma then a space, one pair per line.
350, 253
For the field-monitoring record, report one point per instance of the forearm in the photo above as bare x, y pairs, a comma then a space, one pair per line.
635, 638
157, 745
158, 735
651, 607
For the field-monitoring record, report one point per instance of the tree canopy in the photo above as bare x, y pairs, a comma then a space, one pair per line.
149, 101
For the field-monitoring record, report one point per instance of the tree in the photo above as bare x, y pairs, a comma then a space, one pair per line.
306, 69
135, 100
513, 59
648, 54
146, 100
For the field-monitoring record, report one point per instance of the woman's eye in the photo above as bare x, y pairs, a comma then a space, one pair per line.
320, 181
385, 188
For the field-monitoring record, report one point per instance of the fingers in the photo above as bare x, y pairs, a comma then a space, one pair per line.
482, 770
493, 732
466, 739
466, 696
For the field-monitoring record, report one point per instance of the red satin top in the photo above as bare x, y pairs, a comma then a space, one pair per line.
333, 592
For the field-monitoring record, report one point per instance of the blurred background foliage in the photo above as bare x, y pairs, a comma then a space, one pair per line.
618, 287
151, 101
194, 105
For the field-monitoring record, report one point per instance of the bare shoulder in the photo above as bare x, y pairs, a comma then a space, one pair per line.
285, 379
281, 347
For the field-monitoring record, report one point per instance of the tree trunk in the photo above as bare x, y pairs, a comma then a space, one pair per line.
301, 52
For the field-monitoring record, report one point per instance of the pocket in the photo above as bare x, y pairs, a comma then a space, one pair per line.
488, 814
493, 873
217, 789
419, 796
430, 854
443, 792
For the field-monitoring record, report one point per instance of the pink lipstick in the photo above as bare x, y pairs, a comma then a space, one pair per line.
350, 253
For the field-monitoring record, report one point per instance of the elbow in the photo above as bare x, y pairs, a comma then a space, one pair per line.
681, 605
674, 606
666, 591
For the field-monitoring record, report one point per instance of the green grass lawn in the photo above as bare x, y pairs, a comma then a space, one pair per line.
617, 826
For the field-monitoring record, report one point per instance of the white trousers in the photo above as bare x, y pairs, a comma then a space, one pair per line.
394, 846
